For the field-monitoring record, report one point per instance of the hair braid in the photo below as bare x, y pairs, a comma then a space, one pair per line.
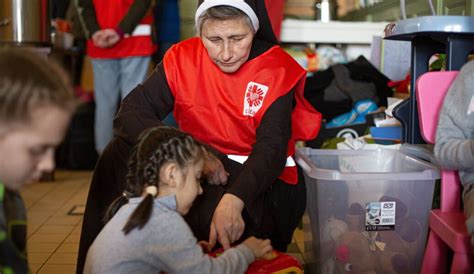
157, 146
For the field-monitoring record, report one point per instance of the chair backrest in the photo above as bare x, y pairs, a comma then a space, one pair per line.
431, 89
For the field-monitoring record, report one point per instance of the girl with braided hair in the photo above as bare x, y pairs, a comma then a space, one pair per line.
233, 88
146, 229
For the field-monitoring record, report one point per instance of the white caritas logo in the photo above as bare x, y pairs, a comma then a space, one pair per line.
254, 96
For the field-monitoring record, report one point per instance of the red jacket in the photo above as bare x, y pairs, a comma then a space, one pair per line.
109, 13
225, 110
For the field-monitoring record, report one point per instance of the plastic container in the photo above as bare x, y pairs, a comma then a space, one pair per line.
368, 210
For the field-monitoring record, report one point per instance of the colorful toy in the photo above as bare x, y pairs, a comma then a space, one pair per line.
355, 116
353, 254
275, 262
402, 86
332, 229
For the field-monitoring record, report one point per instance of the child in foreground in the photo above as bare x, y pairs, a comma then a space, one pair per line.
148, 234
36, 104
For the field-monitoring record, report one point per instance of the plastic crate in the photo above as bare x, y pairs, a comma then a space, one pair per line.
368, 210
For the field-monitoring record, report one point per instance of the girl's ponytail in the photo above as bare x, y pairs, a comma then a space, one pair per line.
142, 213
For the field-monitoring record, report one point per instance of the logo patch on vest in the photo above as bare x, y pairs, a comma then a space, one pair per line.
254, 96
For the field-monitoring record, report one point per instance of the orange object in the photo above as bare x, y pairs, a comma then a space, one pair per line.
63, 25
276, 262
313, 61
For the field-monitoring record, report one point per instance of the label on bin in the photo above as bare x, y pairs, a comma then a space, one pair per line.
380, 216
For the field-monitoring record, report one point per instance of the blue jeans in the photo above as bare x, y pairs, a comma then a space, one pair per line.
113, 80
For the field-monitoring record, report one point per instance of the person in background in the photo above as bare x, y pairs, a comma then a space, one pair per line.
235, 90
454, 147
59, 8
164, 178
36, 104
120, 46
167, 24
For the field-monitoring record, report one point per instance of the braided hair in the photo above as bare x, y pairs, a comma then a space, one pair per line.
156, 147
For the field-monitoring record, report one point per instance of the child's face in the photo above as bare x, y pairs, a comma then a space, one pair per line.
188, 187
27, 150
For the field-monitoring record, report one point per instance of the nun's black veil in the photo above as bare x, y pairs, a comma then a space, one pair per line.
265, 32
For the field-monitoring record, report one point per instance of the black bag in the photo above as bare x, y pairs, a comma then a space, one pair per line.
78, 150
361, 71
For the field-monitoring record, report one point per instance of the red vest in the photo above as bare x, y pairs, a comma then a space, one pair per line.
224, 110
109, 13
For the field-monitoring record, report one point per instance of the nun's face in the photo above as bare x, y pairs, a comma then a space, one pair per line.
228, 42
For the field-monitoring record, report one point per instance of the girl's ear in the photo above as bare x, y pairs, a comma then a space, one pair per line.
168, 174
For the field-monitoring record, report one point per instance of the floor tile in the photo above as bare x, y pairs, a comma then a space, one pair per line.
39, 216
63, 258
73, 238
42, 247
68, 248
34, 268
47, 238
57, 269
55, 229
38, 258
78, 228
64, 220
31, 228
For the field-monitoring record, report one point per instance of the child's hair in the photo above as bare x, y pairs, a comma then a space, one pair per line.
156, 147
29, 81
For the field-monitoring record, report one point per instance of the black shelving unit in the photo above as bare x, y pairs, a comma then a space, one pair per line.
452, 35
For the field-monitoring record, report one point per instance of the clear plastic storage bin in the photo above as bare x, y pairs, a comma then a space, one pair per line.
368, 210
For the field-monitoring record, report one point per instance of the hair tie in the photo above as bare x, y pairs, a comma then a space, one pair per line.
153, 190
126, 194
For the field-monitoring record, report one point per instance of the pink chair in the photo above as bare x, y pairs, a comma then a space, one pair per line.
447, 224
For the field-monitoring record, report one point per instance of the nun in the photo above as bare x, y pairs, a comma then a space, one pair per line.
235, 90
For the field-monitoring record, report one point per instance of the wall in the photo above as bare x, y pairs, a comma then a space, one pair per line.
187, 9
389, 10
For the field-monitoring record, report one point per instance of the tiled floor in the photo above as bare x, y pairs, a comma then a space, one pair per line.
53, 229
54, 222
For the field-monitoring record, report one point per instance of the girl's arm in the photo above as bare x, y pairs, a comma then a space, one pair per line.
182, 254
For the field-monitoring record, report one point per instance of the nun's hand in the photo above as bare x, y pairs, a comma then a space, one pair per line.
214, 170
227, 225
